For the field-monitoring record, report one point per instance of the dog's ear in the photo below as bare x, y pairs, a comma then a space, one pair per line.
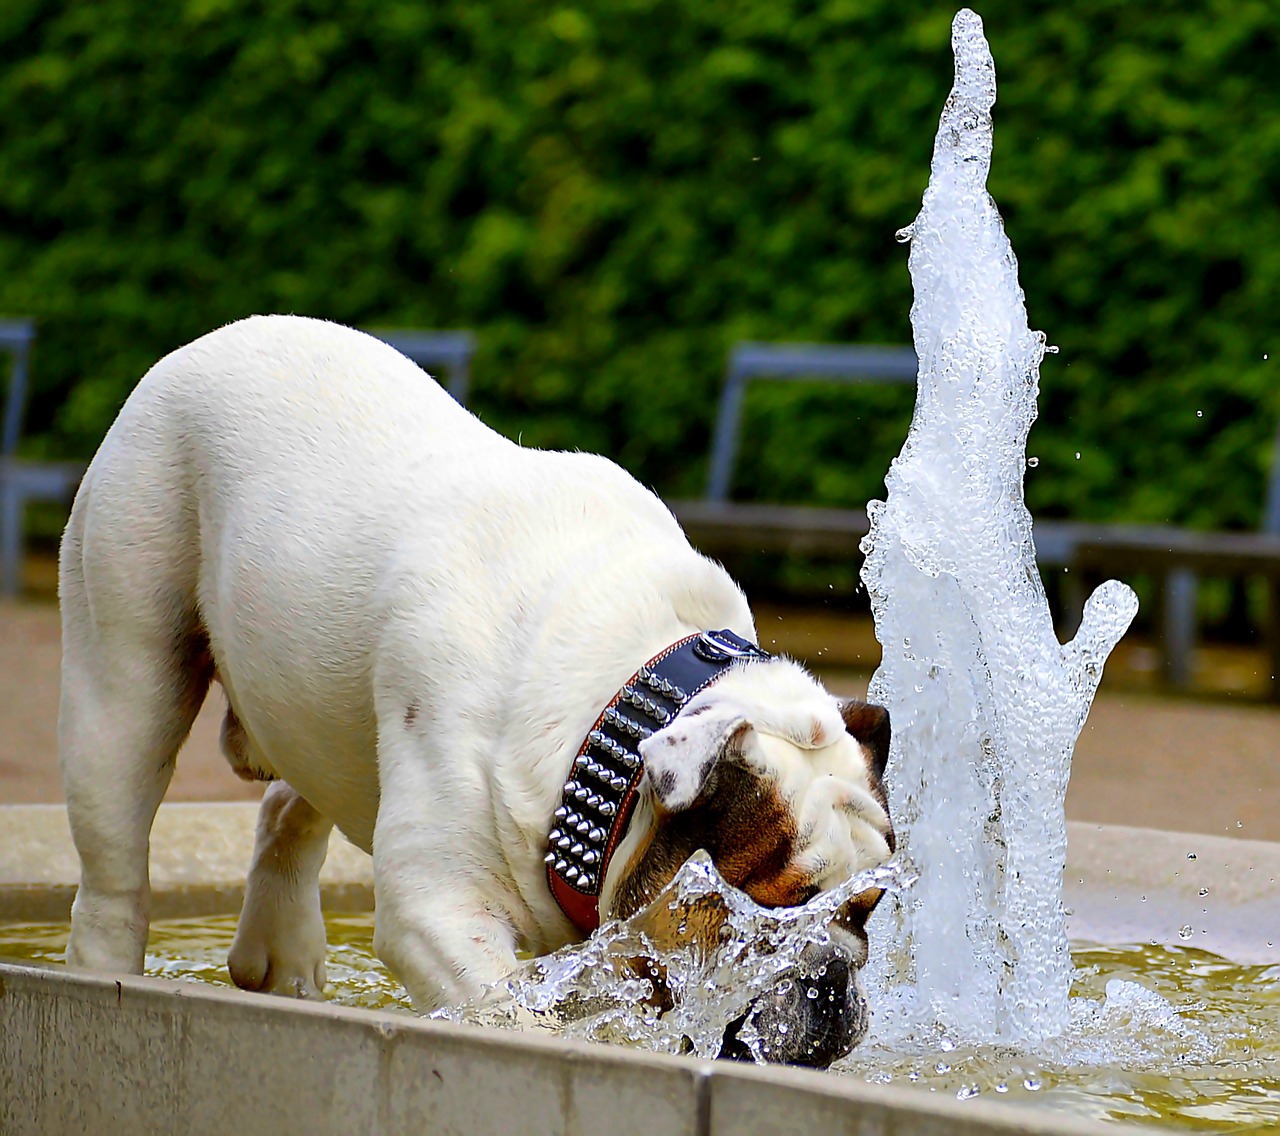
680, 759
869, 725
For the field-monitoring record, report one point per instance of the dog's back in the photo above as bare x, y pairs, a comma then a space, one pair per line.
238, 510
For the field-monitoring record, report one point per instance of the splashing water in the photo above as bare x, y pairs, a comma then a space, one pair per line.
986, 704
611, 987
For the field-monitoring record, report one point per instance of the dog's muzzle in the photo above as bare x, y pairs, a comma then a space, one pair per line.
813, 1015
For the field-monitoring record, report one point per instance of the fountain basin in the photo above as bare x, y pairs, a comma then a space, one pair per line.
91, 1053
87, 1052
1122, 885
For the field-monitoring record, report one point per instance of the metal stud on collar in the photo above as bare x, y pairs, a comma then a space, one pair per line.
625, 725
661, 686
645, 705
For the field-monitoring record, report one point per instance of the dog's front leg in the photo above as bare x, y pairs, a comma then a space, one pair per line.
433, 926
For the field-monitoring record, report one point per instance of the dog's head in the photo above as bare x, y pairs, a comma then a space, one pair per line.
781, 784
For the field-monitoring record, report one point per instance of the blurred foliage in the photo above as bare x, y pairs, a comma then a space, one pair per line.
613, 193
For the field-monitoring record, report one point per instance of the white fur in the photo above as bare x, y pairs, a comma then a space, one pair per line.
416, 622
798, 741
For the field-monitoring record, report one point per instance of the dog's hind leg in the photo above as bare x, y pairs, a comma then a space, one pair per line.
135, 669
280, 938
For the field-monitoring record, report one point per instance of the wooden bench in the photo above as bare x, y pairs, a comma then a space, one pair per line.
1177, 557
720, 526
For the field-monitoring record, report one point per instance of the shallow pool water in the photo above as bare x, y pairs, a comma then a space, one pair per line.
196, 949
1212, 1065
1204, 1056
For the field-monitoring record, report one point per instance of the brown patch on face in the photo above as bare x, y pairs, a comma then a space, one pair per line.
854, 914
757, 835
868, 725
749, 832
647, 969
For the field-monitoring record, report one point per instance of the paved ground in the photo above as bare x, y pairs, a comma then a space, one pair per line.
1208, 765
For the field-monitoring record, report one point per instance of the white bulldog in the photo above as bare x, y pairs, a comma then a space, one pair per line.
416, 623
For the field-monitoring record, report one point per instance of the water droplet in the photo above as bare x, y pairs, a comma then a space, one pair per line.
1144, 899
1031, 1084
1199, 413
812, 992
942, 1067
1191, 855
1184, 932
1077, 455
1204, 891
1001, 1087
1033, 462
967, 1092
1239, 824
902, 236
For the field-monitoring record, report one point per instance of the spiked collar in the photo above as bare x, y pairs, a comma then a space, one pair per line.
598, 798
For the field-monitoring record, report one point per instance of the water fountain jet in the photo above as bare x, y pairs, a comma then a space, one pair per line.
986, 703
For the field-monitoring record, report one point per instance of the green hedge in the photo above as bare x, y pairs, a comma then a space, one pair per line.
611, 194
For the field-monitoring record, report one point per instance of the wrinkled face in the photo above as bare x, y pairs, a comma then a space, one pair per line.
781, 784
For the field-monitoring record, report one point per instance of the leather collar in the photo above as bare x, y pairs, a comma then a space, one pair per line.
598, 798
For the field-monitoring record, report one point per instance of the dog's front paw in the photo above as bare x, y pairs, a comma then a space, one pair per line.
282, 953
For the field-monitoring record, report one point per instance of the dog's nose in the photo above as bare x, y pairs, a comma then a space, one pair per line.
812, 1016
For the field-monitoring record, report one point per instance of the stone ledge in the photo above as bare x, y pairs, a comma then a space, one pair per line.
83, 1052
199, 856
1135, 885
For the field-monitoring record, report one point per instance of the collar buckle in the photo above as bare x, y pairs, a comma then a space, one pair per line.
724, 646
